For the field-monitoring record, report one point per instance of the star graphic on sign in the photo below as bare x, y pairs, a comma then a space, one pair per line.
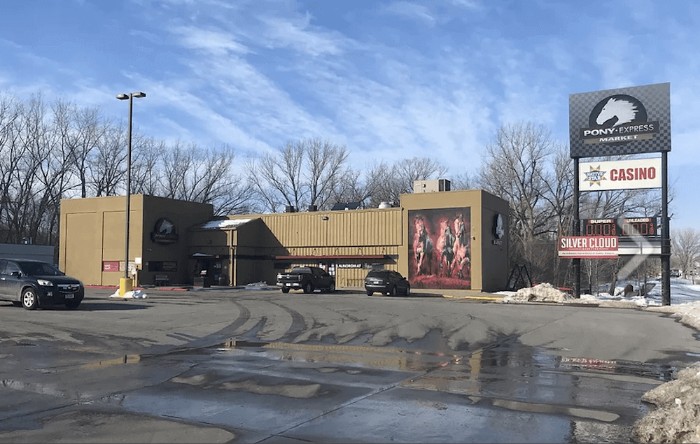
595, 176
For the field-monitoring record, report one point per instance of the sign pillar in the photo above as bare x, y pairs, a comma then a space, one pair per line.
577, 231
665, 235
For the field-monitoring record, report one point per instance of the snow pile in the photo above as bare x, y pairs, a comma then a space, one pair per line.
678, 407
676, 417
688, 313
539, 293
260, 286
135, 294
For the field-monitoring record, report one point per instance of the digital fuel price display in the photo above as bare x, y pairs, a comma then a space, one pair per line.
621, 227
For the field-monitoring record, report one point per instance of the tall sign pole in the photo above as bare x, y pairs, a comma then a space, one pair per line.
577, 230
665, 235
621, 122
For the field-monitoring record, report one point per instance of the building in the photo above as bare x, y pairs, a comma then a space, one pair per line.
440, 239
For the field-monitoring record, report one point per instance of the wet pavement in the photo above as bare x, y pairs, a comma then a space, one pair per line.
292, 372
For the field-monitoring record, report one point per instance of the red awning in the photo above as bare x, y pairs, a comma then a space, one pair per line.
331, 256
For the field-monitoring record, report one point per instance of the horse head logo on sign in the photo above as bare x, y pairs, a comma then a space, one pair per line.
620, 121
618, 110
617, 120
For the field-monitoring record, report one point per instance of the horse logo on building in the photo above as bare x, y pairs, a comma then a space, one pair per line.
164, 232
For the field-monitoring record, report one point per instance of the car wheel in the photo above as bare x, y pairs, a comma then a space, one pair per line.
308, 288
408, 290
285, 289
393, 290
72, 305
331, 289
370, 293
17, 303
29, 299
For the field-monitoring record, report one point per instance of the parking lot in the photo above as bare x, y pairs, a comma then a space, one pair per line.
220, 365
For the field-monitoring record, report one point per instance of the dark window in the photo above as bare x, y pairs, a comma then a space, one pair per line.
11, 267
38, 269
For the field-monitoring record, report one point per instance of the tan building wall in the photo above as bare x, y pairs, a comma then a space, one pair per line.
255, 247
488, 256
347, 243
92, 237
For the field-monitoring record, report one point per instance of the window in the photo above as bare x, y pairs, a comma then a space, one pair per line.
11, 267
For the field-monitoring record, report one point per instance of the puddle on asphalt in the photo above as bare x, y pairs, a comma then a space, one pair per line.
121, 360
505, 375
385, 358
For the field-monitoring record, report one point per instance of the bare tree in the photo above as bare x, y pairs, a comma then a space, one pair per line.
406, 171
300, 174
11, 150
464, 181
204, 175
515, 169
363, 188
81, 131
107, 162
325, 162
146, 171
686, 249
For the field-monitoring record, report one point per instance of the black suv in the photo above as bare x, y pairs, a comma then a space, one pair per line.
388, 282
31, 284
307, 279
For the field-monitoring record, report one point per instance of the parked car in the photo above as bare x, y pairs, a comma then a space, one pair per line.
31, 284
388, 282
307, 279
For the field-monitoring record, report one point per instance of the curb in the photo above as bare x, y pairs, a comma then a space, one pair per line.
476, 298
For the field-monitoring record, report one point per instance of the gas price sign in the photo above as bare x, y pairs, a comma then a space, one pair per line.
621, 227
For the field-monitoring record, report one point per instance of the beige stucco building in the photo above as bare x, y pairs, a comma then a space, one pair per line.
441, 239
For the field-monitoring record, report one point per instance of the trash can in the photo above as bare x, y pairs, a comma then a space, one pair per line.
201, 282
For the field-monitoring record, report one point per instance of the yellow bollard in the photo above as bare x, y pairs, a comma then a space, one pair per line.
125, 286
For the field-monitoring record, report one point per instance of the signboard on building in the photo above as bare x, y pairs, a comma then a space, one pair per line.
620, 227
620, 121
110, 265
620, 175
588, 247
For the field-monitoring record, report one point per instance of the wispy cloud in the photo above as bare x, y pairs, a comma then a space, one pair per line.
411, 11
215, 42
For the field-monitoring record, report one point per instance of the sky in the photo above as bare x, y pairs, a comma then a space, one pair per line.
387, 79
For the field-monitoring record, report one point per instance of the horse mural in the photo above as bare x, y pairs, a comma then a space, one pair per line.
624, 110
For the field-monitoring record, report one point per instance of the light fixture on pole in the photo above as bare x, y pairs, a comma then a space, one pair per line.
125, 283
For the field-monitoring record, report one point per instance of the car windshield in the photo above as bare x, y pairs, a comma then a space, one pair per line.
378, 274
39, 269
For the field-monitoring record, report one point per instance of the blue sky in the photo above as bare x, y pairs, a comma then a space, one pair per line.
384, 78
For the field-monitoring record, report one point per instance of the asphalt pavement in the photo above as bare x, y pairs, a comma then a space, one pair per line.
242, 365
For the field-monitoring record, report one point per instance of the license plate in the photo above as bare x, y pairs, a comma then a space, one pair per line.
69, 296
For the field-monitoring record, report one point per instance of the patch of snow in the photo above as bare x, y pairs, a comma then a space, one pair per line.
675, 418
260, 286
135, 294
224, 223
539, 293
677, 414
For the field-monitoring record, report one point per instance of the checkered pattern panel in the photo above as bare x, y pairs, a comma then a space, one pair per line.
656, 100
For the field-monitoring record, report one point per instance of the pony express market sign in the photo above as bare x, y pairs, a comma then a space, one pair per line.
588, 247
620, 175
620, 121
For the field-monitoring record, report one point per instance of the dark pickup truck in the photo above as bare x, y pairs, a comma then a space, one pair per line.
307, 279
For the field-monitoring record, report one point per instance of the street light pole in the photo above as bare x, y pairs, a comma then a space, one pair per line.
125, 283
